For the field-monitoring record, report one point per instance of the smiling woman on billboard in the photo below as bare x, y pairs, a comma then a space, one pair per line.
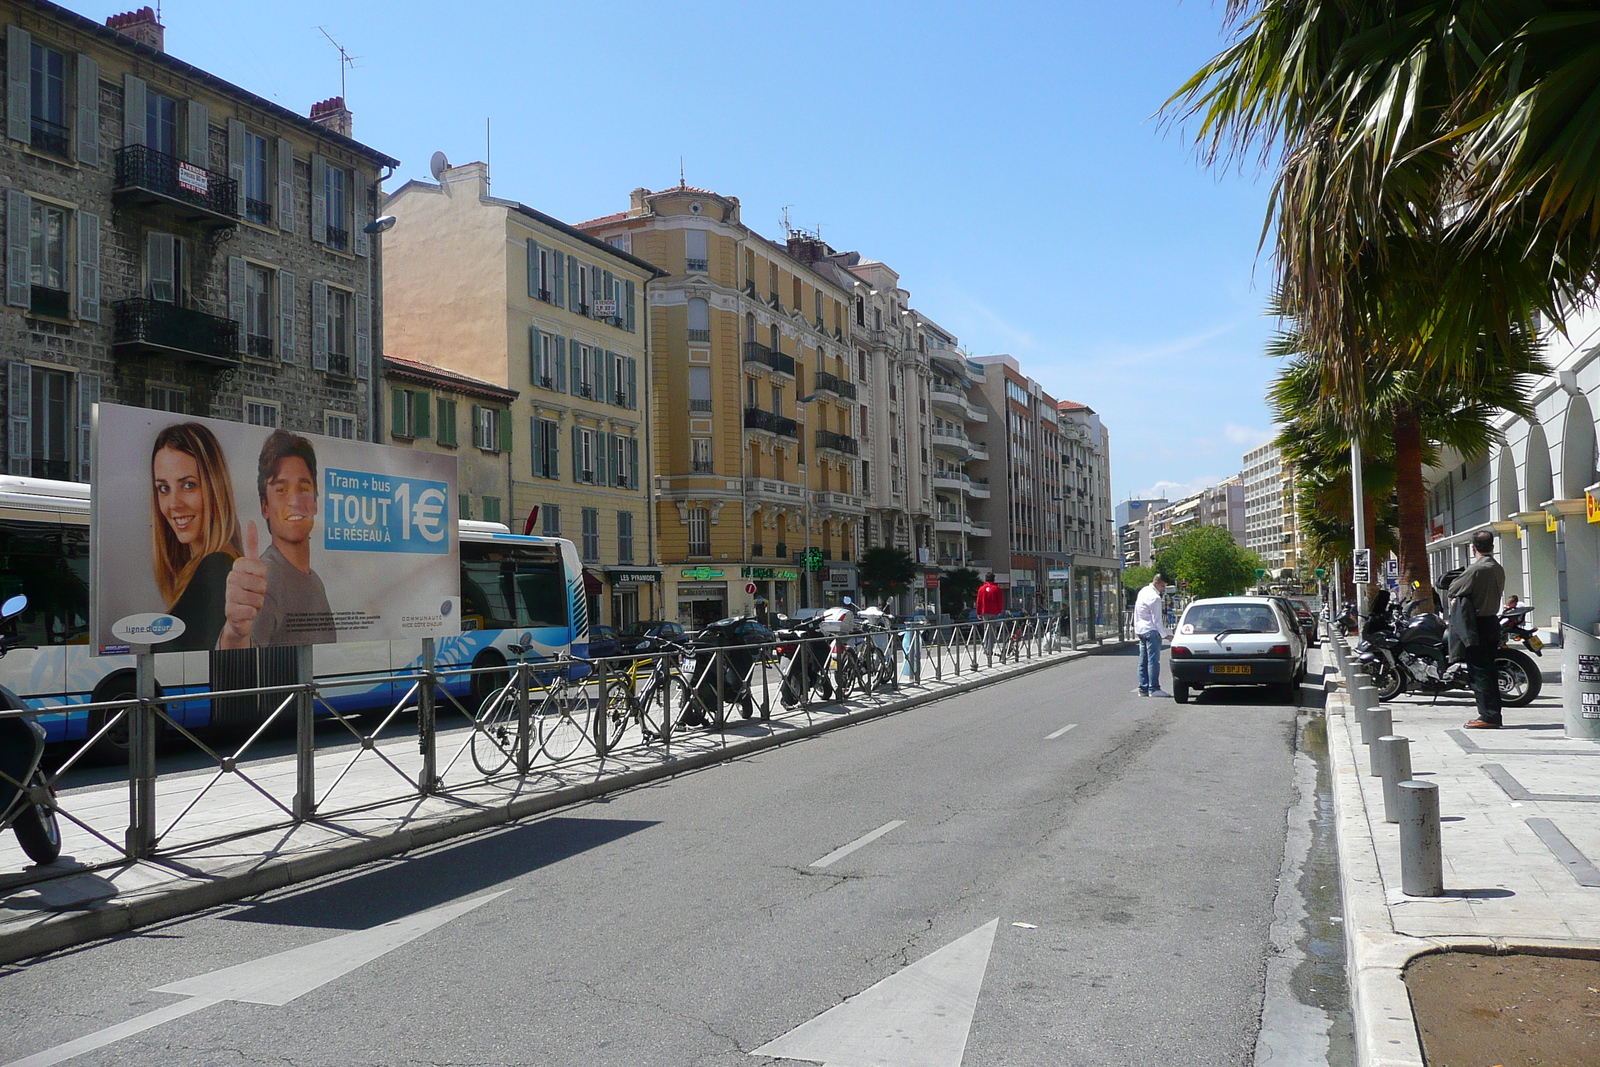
196, 531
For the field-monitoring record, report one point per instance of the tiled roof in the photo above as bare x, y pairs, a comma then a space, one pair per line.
603, 219
427, 374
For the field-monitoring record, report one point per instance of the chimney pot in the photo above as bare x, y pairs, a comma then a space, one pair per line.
333, 114
141, 26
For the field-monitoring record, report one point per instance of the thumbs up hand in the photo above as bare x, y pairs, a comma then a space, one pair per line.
247, 591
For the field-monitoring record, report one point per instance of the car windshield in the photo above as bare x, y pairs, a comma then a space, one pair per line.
1234, 618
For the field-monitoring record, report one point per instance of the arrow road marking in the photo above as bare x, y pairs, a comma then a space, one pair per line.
865, 839
919, 1016
276, 979
1058, 733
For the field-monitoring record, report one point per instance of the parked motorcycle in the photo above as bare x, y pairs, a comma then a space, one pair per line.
803, 638
733, 637
1514, 627
1409, 653
27, 804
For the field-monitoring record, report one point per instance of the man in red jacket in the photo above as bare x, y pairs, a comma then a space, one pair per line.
991, 602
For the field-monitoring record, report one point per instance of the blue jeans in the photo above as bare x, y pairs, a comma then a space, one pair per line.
1149, 661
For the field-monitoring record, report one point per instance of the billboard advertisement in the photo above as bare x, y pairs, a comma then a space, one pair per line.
213, 535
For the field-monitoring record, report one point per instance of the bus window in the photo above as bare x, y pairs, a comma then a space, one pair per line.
50, 564
512, 586
544, 595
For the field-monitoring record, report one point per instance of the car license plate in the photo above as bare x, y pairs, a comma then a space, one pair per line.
1230, 668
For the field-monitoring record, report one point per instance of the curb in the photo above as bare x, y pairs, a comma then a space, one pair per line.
51, 931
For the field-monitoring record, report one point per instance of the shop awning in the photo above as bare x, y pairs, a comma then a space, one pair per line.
592, 584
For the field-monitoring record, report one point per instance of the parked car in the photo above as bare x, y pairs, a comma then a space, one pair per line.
1306, 611
646, 636
603, 641
1238, 640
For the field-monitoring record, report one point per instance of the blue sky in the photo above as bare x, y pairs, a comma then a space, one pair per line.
1001, 156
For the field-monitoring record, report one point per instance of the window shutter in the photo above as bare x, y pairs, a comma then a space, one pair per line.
88, 397
363, 307
533, 355
88, 267
611, 378
199, 134
606, 289
558, 349
88, 111
236, 162
577, 450
533, 269
556, 276
19, 252
552, 437
285, 185
502, 419
601, 467
162, 264
633, 383
574, 284
633, 463
614, 450
358, 225
399, 408
19, 84
477, 425
319, 325
133, 114
319, 199
19, 406
419, 414
577, 366
288, 322
236, 296
628, 301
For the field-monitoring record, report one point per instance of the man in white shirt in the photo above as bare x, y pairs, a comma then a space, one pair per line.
1150, 626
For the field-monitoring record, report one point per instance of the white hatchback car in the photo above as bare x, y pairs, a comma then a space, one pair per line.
1237, 640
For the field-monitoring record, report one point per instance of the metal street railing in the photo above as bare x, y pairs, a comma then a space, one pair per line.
523, 720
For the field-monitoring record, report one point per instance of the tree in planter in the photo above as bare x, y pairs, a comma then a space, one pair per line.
958, 589
886, 572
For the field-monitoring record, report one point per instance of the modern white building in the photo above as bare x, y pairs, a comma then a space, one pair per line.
1266, 509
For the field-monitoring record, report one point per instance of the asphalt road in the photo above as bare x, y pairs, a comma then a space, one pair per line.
1128, 866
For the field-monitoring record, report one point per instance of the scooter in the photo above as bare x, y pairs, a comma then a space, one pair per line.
27, 803
1514, 627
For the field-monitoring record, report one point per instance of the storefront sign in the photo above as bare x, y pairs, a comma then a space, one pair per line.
633, 577
1593, 504
335, 540
771, 574
931, 581
1060, 576
1550, 520
700, 574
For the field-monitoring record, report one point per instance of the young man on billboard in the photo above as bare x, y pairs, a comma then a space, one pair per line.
275, 598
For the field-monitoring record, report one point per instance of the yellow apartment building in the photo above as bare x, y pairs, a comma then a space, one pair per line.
500, 292
755, 441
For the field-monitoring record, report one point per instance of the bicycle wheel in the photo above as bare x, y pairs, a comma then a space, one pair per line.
846, 673
494, 731
564, 721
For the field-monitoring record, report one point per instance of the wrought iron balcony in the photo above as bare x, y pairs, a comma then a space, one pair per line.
756, 419
699, 266
151, 327
824, 382
700, 405
50, 136
50, 303
338, 239
150, 177
837, 442
258, 211
700, 336
756, 352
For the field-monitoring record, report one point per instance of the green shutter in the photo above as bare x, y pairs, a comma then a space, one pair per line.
401, 406
465, 505
557, 278
628, 302
577, 447
419, 404
445, 433
633, 463
477, 425
505, 431
558, 350
633, 383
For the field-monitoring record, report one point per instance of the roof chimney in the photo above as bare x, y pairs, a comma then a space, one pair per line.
142, 26
333, 114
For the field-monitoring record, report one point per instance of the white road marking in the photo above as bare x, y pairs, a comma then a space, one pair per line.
275, 979
1058, 733
865, 839
917, 1017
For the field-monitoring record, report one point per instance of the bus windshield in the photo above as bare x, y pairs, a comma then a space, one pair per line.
49, 563
507, 587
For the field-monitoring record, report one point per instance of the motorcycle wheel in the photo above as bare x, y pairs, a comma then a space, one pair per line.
39, 833
1519, 678
1387, 680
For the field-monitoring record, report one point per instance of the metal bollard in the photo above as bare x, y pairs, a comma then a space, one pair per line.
1421, 865
1396, 756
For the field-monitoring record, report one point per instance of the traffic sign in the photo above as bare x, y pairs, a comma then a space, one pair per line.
1363, 567
1261, 572
749, 587
1322, 572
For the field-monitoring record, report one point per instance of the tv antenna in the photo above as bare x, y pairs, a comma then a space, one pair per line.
346, 62
786, 208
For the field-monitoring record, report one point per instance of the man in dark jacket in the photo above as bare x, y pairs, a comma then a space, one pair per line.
1478, 593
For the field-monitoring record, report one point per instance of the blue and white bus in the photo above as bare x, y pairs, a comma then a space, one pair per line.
527, 590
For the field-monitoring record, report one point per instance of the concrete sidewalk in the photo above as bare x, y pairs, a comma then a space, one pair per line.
1520, 830
97, 894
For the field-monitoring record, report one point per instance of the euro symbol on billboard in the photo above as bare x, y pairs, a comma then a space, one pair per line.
427, 514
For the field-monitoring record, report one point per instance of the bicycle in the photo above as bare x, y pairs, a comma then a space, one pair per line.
557, 726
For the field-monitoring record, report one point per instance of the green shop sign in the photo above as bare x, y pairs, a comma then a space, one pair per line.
700, 574
776, 574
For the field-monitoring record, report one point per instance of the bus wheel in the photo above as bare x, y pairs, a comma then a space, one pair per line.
113, 747
483, 685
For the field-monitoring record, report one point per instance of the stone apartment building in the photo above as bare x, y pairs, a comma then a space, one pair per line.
175, 242
494, 290
756, 439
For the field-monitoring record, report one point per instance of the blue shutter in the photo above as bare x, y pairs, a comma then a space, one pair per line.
558, 350
288, 321
533, 354
577, 450
611, 377
633, 383
577, 367
633, 463
19, 84
88, 111
552, 436
88, 397
557, 276
533, 269
19, 249
363, 310
88, 266
602, 472
19, 407
574, 285
628, 301
319, 325
134, 102
236, 300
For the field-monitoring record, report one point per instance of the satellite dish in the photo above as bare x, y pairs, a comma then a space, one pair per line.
438, 165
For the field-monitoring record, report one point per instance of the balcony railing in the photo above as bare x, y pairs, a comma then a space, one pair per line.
824, 382
50, 303
50, 136
153, 326
258, 211
144, 173
699, 266
700, 336
700, 405
338, 239
837, 442
259, 347
756, 419
702, 466
756, 352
